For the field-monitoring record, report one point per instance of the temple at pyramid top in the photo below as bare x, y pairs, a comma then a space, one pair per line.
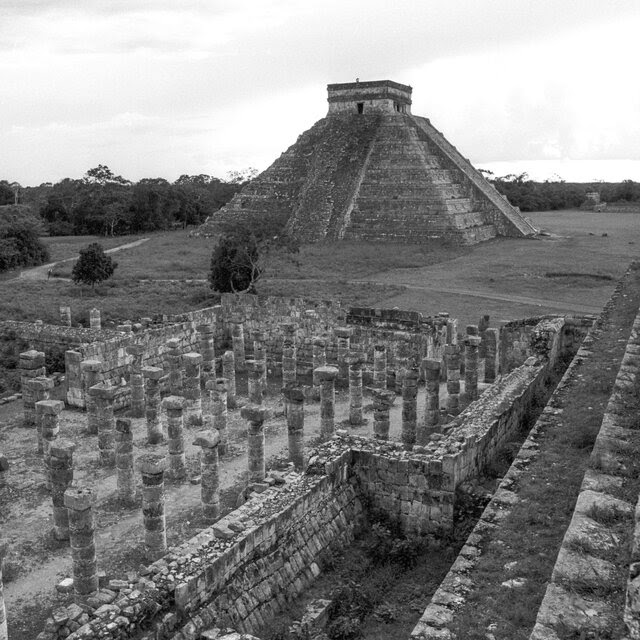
364, 97
371, 170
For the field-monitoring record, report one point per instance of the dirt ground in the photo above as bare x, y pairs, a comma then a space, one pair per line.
36, 562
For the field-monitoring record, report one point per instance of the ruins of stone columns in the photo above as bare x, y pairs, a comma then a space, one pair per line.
471, 343
79, 504
401, 358
432, 399
50, 415
260, 356
4, 635
40, 388
237, 343
254, 381
95, 319
289, 355
206, 346
152, 467
31, 365
152, 376
409, 408
173, 357
61, 468
327, 379
483, 325
383, 400
229, 373
65, 316
136, 380
295, 425
218, 393
103, 396
126, 483
319, 359
90, 372
174, 406
355, 360
343, 344
379, 367
452, 360
492, 354
210, 480
191, 388
255, 416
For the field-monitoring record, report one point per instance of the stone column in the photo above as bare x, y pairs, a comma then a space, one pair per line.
229, 373
327, 379
452, 331
218, 393
152, 376
432, 399
343, 344
402, 358
409, 408
50, 414
4, 635
61, 467
152, 467
192, 396
492, 340
483, 325
254, 381
79, 503
355, 360
289, 355
124, 460
471, 343
31, 366
65, 316
40, 388
319, 359
383, 400
136, 380
452, 359
173, 357
260, 356
90, 372
472, 330
95, 320
379, 367
103, 396
206, 346
295, 425
237, 342
255, 416
174, 406
208, 442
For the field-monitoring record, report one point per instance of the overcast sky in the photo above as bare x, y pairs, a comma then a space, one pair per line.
158, 88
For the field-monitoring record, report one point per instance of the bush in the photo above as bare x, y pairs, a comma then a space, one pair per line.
93, 265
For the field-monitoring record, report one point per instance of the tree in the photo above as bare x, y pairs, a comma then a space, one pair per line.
20, 245
93, 266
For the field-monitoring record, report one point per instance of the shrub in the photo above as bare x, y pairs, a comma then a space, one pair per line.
93, 265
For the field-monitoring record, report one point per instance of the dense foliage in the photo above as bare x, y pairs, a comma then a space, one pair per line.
20, 245
93, 265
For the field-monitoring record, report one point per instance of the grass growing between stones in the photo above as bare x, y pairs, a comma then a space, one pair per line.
527, 541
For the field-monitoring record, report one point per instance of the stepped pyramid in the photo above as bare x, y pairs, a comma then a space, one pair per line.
370, 170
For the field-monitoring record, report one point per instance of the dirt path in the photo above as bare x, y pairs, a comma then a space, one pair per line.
42, 272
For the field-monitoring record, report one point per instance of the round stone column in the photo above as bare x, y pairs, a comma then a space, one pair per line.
409, 408
343, 345
327, 378
152, 467
492, 341
255, 416
90, 370
79, 503
61, 466
319, 359
103, 396
452, 359
173, 356
237, 342
379, 367
432, 399
50, 411
174, 406
295, 425
471, 344
152, 376
401, 358
126, 483
208, 442
95, 319
31, 365
260, 356
229, 373
383, 400
254, 381
40, 388
191, 385
218, 393
65, 316
289, 355
206, 346
136, 379
355, 360
483, 325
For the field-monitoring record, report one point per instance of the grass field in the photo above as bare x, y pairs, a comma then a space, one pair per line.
574, 269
